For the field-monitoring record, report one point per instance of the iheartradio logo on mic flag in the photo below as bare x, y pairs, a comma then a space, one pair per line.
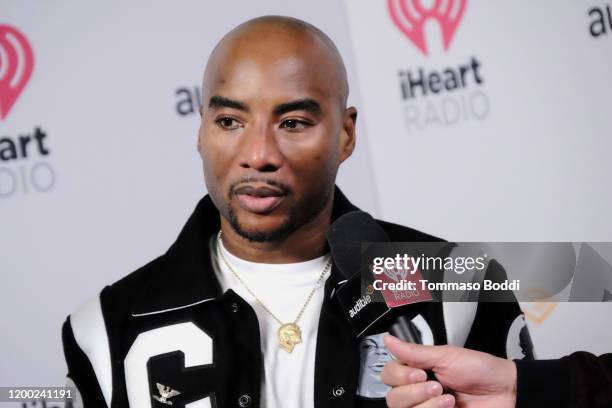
16, 64
401, 286
410, 17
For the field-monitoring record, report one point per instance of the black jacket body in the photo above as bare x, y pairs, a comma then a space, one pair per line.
580, 380
168, 324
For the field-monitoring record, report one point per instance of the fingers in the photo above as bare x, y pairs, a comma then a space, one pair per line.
396, 373
422, 395
410, 388
417, 355
442, 401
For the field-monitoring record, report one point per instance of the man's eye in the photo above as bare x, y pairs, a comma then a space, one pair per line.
294, 124
227, 123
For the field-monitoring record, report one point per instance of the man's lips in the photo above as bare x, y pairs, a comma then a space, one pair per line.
259, 199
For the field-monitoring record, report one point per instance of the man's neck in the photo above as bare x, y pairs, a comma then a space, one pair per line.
307, 242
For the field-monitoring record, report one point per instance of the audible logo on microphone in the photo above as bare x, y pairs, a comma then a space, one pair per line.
360, 304
441, 96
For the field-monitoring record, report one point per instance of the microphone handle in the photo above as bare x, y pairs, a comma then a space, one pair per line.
405, 330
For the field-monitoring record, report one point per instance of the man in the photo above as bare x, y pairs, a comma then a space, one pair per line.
241, 311
481, 380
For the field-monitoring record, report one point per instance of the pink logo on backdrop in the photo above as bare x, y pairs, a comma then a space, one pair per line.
410, 16
16, 63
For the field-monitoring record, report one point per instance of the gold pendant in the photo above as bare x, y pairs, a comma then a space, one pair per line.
289, 334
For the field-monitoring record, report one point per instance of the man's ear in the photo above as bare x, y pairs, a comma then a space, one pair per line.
347, 133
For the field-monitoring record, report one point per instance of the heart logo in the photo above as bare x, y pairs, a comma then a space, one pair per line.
410, 17
396, 274
16, 64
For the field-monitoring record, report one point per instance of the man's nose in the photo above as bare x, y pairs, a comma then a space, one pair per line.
259, 150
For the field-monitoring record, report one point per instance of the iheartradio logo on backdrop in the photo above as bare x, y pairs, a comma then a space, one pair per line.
16, 64
410, 16
25, 165
440, 96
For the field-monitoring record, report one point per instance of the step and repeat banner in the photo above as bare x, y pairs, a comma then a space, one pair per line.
492, 120
478, 121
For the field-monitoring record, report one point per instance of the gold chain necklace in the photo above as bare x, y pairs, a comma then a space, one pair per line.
289, 334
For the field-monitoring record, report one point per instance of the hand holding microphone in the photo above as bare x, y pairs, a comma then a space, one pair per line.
476, 379
367, 316
479, 380
411, 377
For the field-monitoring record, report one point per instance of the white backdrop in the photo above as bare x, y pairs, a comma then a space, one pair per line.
122, 174
530, 159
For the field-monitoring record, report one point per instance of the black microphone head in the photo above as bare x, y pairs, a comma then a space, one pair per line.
345, 237
367, 311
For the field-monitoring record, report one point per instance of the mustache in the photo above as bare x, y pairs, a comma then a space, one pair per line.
279, 188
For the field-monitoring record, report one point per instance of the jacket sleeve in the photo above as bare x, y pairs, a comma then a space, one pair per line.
80, 372
579, 380
499, 326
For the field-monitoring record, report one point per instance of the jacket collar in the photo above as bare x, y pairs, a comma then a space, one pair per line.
183, 276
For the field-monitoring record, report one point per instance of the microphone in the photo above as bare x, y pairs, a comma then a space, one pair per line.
370, 311
350, 238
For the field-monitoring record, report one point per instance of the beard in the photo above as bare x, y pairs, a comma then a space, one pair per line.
298, 215
289, 225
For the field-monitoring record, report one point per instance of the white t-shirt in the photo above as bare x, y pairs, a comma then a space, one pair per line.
283, 288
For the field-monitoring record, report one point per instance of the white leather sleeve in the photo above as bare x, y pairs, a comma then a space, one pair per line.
90, 334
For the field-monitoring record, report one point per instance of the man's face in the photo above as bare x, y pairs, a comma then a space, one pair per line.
272, 136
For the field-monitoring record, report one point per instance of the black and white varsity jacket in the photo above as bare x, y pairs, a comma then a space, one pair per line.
167, 335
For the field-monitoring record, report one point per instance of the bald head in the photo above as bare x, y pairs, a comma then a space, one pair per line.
275, 128
272, 39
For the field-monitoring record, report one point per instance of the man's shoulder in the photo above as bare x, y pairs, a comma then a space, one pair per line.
120, 294
401, 233
93, 329
136, 280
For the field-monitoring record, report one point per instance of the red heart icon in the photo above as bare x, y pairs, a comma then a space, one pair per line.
410, 16
16, 64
